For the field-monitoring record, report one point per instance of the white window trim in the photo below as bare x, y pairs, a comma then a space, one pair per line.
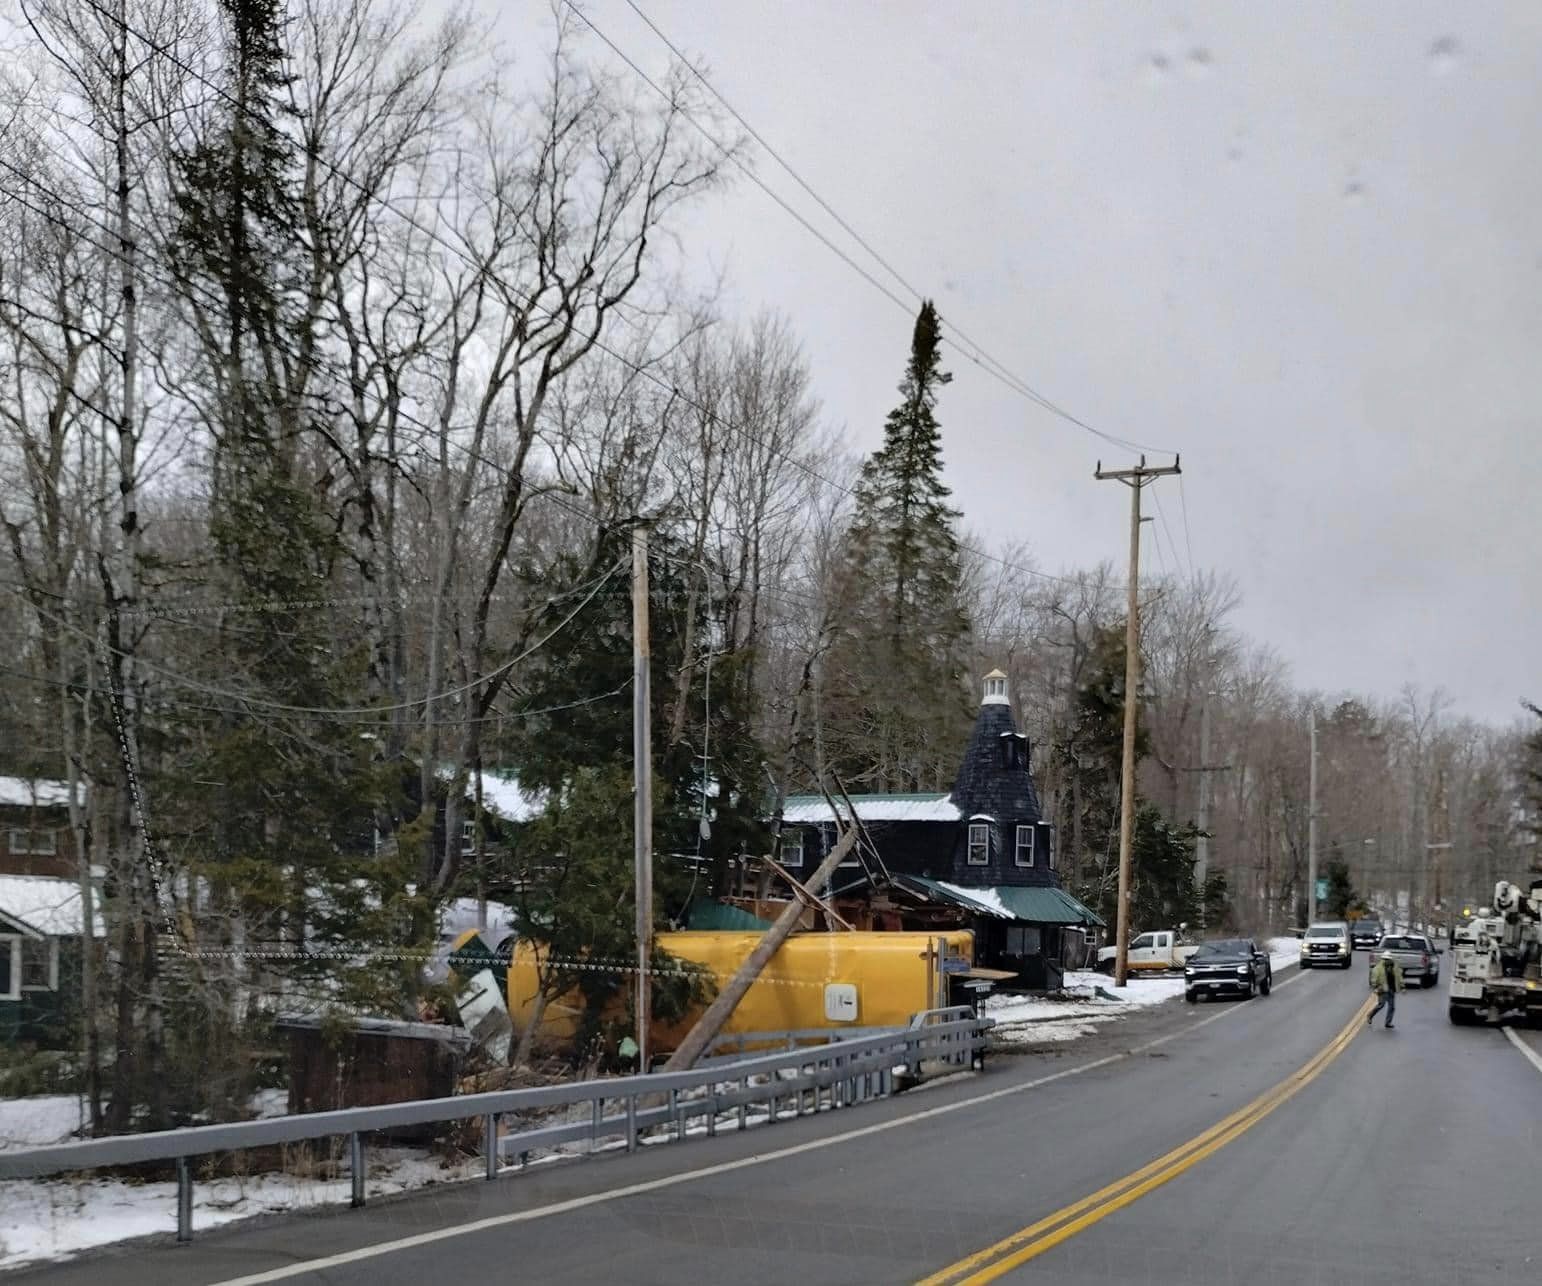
984, 841
52, 945
468, 837
1030, 846
1049, 847
788, 837
29, 840
14, 941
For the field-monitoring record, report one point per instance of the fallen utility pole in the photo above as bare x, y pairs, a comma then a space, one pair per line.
721, 1009
809, 899
1135, 479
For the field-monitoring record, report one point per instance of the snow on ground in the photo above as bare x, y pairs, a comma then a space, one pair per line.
48, 1220
33, 1122
1284, 952
1086, 1001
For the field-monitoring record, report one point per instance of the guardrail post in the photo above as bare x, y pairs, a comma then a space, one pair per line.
356, 1168
631, 1123
744, 1107
596, 1118
184, 1200
712, 1111
676, 1115
490, 1143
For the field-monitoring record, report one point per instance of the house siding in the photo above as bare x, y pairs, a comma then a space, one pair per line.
61, 862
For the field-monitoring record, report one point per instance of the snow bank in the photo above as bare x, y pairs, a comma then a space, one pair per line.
48, 1220
1284, 952
35, 1122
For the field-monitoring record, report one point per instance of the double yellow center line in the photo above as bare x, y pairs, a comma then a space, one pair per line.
1030, 1242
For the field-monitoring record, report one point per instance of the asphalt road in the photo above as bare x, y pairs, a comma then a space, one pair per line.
1412, 1156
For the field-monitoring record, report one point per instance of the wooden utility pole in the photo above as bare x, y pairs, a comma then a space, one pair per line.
642, 789
1311, 824
1135, 479
726, 1001
1202, 844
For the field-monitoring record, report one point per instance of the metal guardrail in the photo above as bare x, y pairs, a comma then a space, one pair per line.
840, 1074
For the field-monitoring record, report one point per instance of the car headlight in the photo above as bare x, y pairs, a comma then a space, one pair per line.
1243, 971
1188, 973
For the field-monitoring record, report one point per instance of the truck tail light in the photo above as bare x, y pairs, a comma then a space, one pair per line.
1425, 959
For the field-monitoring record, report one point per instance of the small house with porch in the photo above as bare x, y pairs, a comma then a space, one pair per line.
981, 855
41, 940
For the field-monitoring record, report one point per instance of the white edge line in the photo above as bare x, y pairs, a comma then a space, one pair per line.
706, 1172
1532, 1057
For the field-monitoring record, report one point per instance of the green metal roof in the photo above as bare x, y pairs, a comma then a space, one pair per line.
706, 914
1042, 905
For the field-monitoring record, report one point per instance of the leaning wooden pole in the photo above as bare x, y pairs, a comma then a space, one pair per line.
721, 1009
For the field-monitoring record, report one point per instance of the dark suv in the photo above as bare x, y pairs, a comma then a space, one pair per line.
1230, 967
1366, 934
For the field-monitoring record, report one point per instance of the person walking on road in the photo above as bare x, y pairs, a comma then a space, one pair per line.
1386, 982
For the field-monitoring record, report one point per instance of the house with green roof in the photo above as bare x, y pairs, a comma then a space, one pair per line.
982, 854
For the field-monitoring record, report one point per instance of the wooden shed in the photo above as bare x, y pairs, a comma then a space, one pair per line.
361, 1062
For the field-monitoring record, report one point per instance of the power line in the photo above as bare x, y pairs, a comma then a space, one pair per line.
1183, 504
632, 364
970, 348
245, 699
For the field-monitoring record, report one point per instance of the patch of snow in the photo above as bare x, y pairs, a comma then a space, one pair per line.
45, 903
1045, 1033
33, 792
1283, 952
810, 809
1139, 991
986, 897
40, 1120
506, 797
49, 1220
266, 1104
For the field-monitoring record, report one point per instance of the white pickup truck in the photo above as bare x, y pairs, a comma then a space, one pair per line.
1165, 949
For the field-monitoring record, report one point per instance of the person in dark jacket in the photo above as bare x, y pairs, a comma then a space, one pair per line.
1386, 982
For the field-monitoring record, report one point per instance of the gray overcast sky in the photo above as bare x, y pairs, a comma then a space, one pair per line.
1300, 243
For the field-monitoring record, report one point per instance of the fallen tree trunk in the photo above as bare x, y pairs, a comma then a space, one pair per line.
721, 1009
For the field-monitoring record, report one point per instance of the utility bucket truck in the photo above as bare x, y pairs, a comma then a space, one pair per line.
1497, 958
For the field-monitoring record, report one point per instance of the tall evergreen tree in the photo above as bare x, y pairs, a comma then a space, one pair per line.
279, 813
897, 709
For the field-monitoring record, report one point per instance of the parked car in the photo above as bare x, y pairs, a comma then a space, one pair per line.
1326, 943
1416, 954
1150, 952
1366, 933
1230, 967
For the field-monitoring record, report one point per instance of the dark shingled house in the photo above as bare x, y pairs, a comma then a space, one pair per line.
980, 855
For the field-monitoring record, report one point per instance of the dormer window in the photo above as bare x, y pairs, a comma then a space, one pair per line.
995, 689
979, 843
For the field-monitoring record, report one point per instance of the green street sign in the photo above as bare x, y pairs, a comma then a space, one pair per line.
1322, 889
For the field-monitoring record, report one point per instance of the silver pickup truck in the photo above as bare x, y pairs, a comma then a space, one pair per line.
1418, 957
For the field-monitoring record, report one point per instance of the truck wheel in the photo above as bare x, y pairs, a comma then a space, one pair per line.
1427, 982
1460, 1015
1267, 985
1347, 963
1191, 997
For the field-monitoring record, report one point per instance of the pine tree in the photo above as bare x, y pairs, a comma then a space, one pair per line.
897, 713
1089, 754
275, 810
